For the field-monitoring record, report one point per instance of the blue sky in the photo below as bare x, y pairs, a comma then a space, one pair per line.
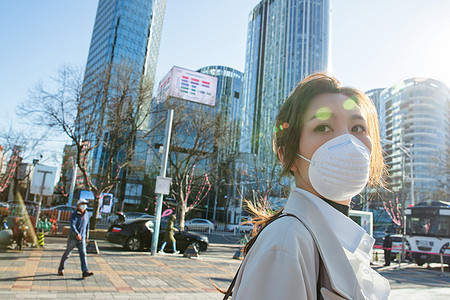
374, 43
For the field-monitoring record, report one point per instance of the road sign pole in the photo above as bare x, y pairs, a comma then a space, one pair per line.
72, 184
159, 200
40, 194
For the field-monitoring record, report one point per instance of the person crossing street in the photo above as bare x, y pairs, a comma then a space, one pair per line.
78, 235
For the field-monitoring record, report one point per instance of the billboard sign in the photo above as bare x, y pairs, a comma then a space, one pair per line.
43, 176
163, 87
188, 85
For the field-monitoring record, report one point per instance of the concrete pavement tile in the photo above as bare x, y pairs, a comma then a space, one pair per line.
123, 289
48, 295
4, 286
92, 288
108, 289
40, 288
120, 296
30, 295
103, 296
82, 295
19, 289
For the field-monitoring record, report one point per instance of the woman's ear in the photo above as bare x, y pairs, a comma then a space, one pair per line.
293, 168
281, 155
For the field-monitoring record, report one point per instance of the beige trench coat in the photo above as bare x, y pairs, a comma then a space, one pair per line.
284, 263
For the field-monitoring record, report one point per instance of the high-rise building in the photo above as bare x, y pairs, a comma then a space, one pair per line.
228, 104
415, 131
286, 41
126, 34
229, 108
374, 94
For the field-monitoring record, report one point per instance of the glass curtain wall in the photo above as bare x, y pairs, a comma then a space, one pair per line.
416, 118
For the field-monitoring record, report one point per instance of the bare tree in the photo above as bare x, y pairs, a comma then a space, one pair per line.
105, 114
17, 146
29, 142
196, 133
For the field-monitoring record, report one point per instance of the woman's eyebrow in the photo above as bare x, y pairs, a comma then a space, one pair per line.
331, 115
357, 117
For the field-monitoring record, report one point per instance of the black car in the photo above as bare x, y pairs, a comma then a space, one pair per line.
137, 234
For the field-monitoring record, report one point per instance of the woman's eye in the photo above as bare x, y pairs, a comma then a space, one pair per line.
322, 128
359, 128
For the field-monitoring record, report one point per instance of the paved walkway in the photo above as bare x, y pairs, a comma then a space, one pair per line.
123, 274
117, 274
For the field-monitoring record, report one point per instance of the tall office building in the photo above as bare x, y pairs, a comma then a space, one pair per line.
126, 34
228, 104
374, 94
416, 130
229, 107
286, 41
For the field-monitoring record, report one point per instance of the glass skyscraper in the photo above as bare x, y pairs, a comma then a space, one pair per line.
374, 94
228, 104
286, 41
125, 33
415, 129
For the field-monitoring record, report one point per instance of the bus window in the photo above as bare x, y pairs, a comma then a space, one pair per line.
436, 226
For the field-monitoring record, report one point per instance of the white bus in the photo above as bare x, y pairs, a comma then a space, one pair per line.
428, 231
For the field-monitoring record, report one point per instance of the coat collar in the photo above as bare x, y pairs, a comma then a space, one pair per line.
333, 256
346, 230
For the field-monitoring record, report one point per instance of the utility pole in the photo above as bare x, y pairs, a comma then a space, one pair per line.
72, 184
159, 200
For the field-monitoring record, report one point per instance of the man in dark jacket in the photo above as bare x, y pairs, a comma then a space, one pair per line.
78, 235
387, 245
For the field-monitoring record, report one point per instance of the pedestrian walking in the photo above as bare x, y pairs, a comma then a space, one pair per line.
326, 136
169, 236
387, 247
22, 233
54, 226
77, 237
4, 222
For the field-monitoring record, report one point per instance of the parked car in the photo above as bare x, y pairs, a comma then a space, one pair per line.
245, 227
199, 225
379, 236
137, 234
134, 215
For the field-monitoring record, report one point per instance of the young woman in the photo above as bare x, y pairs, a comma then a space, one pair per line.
169, 236
327, 138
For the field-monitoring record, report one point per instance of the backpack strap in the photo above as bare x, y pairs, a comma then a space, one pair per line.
233, 282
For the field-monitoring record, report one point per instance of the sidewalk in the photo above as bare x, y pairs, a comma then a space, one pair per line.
120, 274
117, 274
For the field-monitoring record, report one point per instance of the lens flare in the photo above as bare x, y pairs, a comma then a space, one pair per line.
349, 104
323, 113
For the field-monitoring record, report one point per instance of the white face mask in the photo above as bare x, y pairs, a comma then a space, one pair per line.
83, 206
339, 169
